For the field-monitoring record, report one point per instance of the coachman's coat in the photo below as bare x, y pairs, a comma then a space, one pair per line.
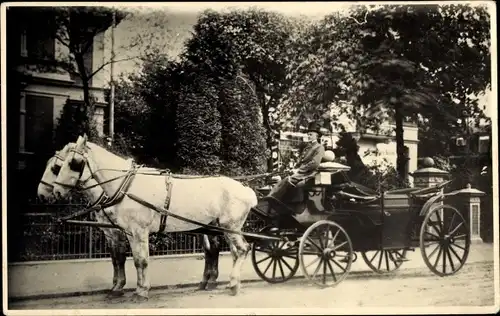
313, 154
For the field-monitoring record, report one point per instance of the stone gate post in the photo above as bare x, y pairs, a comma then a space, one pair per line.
429, 176
468, 202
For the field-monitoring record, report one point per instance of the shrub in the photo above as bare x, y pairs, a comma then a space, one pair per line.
199, 129
243, 144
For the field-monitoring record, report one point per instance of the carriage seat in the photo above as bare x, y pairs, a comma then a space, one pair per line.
351, 191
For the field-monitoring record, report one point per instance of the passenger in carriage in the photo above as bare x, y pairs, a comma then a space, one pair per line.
312, 155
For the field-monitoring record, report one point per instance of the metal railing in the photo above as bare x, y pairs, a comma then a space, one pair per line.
45, 239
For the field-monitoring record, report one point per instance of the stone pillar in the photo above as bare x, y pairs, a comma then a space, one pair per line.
429, 176
468, 202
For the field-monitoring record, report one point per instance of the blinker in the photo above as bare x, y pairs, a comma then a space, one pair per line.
55, 169
77, 166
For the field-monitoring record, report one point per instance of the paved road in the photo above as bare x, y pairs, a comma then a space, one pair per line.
414, 287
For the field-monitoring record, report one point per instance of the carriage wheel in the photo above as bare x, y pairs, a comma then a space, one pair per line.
326, 253
274, 261
384, 261
444, 240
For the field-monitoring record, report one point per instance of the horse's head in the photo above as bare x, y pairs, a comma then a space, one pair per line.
46, 185
72, 168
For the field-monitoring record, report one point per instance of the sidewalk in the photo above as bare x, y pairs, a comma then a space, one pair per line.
79, 276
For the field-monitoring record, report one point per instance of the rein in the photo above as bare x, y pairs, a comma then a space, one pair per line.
104, 201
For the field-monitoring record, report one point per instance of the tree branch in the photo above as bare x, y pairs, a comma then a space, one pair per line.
108, 63
246, 82
60, 39
360, 23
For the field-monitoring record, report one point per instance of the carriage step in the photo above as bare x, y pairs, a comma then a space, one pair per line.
402, 259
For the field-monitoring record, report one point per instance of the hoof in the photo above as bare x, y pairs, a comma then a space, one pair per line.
202, 286
112, 294
211, 286
235, 289
139, 298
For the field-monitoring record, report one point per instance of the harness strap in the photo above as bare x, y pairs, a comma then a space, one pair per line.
90, 208
166, 212
120, 193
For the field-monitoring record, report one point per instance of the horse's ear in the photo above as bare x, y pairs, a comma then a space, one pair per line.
80, 142
85, 138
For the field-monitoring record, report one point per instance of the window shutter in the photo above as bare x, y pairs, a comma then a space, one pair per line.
39, 123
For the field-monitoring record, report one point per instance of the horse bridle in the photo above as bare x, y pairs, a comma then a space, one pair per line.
54, 169
77, 167
80, 167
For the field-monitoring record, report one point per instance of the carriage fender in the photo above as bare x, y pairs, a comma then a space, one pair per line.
429, 203
206, 242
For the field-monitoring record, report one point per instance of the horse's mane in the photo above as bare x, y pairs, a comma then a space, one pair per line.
107, 151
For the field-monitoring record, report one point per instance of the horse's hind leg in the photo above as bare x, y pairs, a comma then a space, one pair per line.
239, 249
139, 243
211, 248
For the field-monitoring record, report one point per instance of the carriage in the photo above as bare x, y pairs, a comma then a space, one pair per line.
324, 222
320, 225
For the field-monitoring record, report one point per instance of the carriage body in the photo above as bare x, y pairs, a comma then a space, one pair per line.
388, 224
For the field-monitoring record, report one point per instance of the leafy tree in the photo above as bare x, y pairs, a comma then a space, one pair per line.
392, 62
253, 42
161, 86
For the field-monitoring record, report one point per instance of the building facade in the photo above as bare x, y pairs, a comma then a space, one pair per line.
44, 93
37, 92
374, 147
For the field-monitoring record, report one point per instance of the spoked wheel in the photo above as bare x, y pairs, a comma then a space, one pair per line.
274, 261
326, 253
444, 240
384, 261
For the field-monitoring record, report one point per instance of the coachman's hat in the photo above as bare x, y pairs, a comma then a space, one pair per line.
314, 127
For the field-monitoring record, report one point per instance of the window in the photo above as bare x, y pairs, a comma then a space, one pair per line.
24, 49
39, 123
39, 43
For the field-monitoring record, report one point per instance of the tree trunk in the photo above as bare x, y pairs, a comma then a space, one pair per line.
82, 72
269, 132
400, 144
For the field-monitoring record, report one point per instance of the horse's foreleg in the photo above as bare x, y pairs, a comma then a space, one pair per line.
117, 245
239, 249
121, 257
211, 271
115, 265
139, 243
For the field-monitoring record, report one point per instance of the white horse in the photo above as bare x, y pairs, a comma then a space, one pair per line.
116, 239
200, 199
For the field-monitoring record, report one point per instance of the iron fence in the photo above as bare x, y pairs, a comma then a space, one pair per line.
46, 239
